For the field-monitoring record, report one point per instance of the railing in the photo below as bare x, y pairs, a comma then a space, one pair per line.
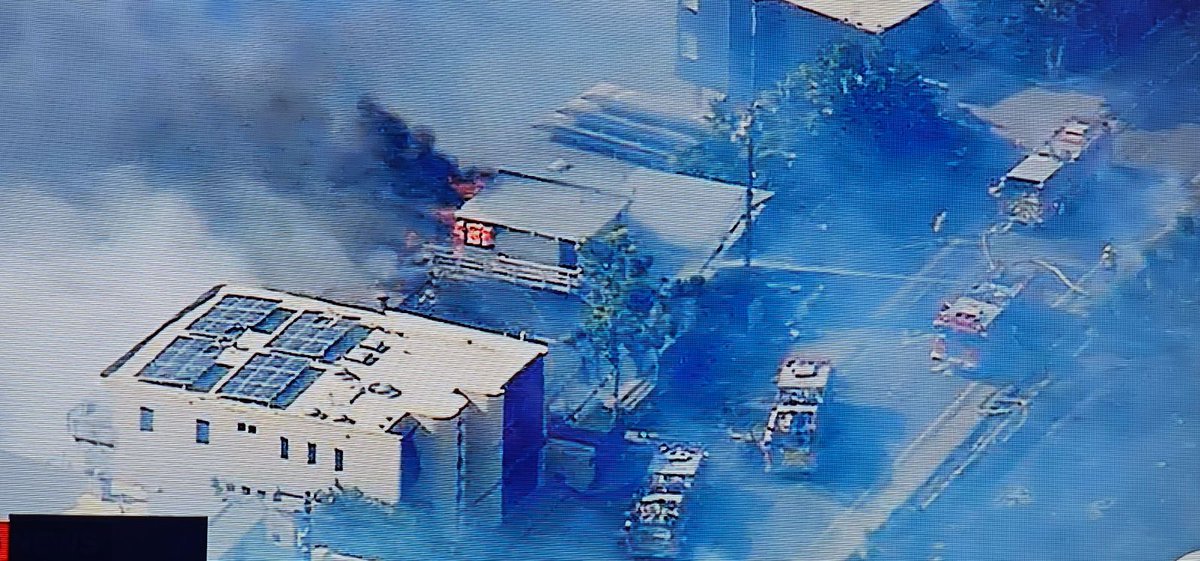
516, 271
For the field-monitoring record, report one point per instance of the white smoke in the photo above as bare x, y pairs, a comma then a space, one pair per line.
147, 153
84, 279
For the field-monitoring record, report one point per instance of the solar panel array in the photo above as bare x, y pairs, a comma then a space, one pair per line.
312, 334
233, 315
274, 376
183, 361
264, 377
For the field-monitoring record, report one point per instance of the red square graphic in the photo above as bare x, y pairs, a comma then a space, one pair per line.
3, 540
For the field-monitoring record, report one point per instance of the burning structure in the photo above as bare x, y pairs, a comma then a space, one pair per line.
527, 225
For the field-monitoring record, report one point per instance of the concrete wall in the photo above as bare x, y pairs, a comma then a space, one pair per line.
170, 455
435, 445
482, 468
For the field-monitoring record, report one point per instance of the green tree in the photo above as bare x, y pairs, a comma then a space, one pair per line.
628, 317
855, 88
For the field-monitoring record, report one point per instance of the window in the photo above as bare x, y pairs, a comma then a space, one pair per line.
253, 429
337, 460
241, 427
146, 422
568, 256
245, 490
474, 234
312, 453
689, 47
201, 431
283, 448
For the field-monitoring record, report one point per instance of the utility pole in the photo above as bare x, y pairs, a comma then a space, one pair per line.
752, 175
750, 189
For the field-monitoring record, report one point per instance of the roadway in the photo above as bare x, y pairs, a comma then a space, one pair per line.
847, 535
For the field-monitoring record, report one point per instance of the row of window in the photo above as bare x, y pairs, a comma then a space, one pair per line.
146, 424
338, 455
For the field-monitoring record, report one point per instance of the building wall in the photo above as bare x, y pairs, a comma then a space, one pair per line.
530, 247
784, 37
524, 434
499, 449
169, 455
705, 25
482, 468
434, 444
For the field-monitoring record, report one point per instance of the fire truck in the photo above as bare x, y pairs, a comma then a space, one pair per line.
788, 439
965, 319
654, 527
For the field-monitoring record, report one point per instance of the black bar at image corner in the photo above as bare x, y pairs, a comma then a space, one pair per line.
37, 537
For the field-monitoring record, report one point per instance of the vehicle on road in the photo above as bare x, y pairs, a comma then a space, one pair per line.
974, 311
788, 439
1027, 209
654, 527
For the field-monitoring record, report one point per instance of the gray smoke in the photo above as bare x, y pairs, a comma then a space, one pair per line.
149, 151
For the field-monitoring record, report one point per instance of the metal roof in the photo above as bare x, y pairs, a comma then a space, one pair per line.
555, 210
682, 221
872, 16
1036, 168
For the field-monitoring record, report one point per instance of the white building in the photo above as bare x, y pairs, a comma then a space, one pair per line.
280, 395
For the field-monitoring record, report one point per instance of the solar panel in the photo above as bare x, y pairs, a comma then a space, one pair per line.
312, 334
264, 377
183, 361
233, 315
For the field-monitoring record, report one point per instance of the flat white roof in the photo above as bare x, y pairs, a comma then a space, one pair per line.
567, 212
802, 373
1036, 168
394, 364
681, 220
683, 108
983, 312
872, 16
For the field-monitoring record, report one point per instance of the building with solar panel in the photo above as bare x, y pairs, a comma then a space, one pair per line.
280, 395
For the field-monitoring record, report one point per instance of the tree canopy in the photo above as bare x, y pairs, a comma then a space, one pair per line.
627, 309
1066, 34
854, 90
